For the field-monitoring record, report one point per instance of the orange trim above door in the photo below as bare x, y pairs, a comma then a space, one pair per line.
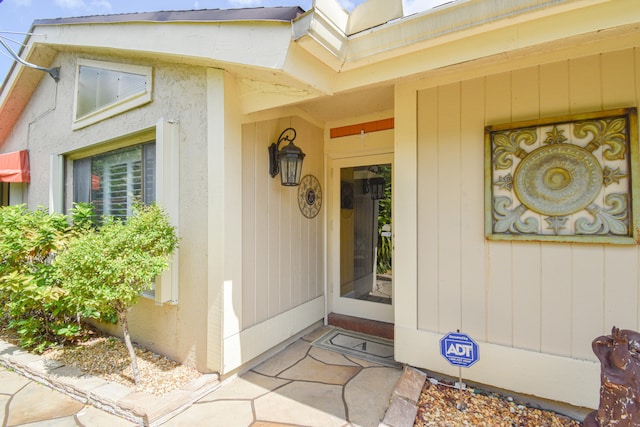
359, 128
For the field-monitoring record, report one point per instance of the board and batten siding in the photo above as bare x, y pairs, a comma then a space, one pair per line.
282, 251
551, 298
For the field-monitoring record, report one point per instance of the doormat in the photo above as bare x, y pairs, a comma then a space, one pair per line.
374, 349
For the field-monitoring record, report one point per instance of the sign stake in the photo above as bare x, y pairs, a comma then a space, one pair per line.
460, 404
461, 351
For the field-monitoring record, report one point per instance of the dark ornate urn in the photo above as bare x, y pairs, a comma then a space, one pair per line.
619, 355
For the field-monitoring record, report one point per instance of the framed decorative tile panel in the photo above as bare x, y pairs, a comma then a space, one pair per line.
566, 179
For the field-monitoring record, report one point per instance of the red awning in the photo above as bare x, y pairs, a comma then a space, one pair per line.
14, 167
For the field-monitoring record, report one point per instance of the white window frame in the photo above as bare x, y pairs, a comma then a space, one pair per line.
121, 105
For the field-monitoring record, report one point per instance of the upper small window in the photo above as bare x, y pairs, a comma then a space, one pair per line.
106, 89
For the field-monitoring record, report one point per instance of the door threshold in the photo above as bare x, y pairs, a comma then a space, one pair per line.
364, 326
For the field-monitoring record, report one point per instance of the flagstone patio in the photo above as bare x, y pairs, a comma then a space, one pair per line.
302, 385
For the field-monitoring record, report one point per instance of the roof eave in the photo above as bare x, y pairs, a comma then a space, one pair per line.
258, 45
19, 85
452, 22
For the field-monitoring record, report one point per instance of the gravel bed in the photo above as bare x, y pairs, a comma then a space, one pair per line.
107, 357
446, 406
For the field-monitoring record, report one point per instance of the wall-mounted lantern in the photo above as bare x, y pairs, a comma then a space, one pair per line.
287, 161
374, 184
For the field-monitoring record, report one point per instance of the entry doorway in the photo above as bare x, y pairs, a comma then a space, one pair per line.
361, 243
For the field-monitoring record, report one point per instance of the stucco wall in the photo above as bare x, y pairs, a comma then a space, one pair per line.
179, 94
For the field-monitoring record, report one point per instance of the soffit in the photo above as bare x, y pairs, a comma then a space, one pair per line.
363, 102
18, 88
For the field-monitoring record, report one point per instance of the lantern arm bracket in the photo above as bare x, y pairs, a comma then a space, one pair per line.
274, 166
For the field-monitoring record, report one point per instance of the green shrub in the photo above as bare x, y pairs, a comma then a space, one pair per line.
52, 275
105, 270
32, 301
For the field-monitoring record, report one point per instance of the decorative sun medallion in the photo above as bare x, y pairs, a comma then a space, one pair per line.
558, 179
309, 196
563, 179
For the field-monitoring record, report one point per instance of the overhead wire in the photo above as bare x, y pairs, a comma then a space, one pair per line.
53, 72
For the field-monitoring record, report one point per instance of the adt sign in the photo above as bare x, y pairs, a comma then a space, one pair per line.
459, 349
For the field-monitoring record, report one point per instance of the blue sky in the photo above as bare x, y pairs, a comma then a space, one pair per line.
18, 15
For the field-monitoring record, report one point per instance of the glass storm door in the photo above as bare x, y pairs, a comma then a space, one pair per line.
361, 230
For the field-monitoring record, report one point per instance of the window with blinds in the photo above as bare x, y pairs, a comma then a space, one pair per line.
143, 166
114, 181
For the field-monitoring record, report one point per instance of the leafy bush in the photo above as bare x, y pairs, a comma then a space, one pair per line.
52, 274
105, 270
33, 302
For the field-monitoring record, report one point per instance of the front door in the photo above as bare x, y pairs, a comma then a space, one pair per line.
361, 246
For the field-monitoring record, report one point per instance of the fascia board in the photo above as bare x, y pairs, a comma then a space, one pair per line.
461, 20
436, 66
256, 44
464, 46
534, 21
319, 35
